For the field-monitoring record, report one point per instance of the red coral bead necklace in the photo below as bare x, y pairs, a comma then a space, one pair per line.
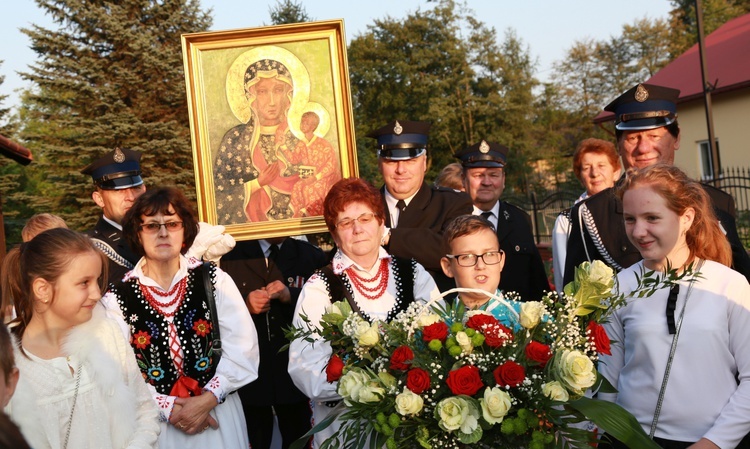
371, 292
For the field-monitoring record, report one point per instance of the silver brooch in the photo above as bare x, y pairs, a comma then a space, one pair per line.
398, 129
641, 94
119, 156
484, 147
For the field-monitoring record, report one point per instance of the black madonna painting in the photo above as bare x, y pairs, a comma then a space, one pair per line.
270, 117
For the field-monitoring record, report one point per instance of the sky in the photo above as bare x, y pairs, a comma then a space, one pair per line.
548, 27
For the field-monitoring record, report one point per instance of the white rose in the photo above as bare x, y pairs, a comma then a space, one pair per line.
334, 309
555, 391
426, 320
495, 405
576, 370
371, 392
601, 273
464, 341
531, 313
350, 383
408, 403
368, 335
457, 413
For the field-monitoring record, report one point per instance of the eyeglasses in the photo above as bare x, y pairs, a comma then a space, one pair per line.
469, 260
153, 228
347, 223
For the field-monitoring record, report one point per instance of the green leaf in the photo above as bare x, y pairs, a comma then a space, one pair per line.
616, 421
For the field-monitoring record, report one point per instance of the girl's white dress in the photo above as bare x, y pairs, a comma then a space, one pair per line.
113, 408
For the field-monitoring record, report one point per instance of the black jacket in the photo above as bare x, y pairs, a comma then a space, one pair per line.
121, 258
524, 271
604, 235
246, 265
419, 234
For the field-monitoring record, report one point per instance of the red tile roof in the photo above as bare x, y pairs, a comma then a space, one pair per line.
727, 53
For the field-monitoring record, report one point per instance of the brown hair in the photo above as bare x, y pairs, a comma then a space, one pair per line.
10, 435
704, 239
158, 201
46, 256
598, 146
7, 363
464, 225
348, 191
39, 223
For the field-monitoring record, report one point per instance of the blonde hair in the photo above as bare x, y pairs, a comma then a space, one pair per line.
39, 223
704, 238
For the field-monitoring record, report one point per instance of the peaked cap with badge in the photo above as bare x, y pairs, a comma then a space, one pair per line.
119, 169
645, 106
483, 154
401, 139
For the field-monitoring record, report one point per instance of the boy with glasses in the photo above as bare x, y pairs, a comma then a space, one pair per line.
474, 260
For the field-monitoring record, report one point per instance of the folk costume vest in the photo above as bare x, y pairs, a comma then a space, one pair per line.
150, 336
340, 288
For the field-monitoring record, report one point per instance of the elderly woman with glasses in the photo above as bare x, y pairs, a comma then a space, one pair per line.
377, 285
187, 323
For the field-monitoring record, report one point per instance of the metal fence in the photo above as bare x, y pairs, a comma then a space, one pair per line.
736, 182
544, 211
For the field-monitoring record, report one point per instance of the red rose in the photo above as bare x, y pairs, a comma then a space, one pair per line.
538, 352
334, 368
479, 320
465, 380
496, 336
509, 374
597, 335
400, 356
417, 380
435, 331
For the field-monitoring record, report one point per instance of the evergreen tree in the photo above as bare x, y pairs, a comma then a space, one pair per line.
288, 11
110, 76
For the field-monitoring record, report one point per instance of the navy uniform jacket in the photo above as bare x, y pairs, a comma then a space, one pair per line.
419, 234
246, 265
113, 244
524, 271
604, 235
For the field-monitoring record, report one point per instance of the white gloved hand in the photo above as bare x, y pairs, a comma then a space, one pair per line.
211, 243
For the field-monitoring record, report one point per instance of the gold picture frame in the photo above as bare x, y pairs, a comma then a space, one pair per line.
271, 125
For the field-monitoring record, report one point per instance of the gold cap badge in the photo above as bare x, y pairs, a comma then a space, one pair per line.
484, 147
398, 129
641, 94
119, 156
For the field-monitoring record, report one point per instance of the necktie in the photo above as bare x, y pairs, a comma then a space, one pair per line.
273, 252
487, 215
400, 206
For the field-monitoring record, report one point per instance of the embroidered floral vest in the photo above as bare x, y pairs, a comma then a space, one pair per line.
150, 332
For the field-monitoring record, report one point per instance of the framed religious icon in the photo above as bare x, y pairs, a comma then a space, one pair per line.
271, 125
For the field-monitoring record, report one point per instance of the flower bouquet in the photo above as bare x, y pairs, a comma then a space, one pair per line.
439, 376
